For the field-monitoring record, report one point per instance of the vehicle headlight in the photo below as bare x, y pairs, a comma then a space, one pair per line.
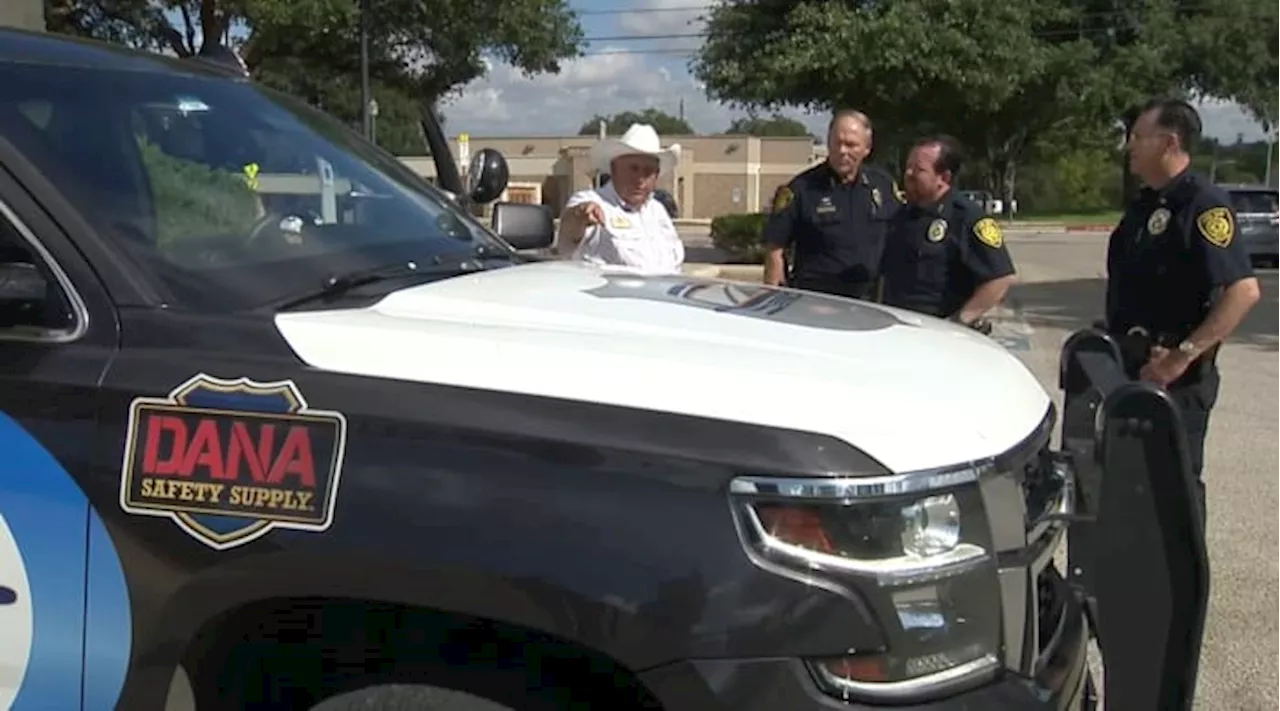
931, 526
917, 548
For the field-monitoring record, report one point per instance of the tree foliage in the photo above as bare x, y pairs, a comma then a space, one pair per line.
999, 76
144, 24
419, 50
664, 123
776, 125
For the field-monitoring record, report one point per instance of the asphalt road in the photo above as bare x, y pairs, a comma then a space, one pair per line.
1061, 290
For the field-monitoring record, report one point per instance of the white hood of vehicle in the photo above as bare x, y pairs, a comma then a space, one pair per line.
911, 391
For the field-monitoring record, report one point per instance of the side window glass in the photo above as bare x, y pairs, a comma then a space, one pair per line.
191, 195
32, 303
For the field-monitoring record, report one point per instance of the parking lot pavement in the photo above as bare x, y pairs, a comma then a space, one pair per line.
1061, 290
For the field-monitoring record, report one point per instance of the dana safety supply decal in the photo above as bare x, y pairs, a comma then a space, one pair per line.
231, 460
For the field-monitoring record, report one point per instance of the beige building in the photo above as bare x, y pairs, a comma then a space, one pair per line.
23, 14
717, 175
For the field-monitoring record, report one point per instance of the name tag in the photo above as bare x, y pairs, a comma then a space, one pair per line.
618, 222
825, 206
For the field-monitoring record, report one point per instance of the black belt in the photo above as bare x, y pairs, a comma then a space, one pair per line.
1136, 344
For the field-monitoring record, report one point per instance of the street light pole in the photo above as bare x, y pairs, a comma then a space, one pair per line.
365, 113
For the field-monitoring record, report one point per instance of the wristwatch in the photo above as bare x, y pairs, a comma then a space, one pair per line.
1188, 349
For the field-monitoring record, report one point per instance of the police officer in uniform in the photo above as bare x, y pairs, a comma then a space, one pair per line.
835, 216
945, 257
1178, 280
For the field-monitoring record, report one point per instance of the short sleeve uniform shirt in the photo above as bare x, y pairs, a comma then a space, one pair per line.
644, 238
1172, 253
837, 228
937, 255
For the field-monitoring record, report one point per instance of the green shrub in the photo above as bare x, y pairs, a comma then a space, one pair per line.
193, 200
740, 236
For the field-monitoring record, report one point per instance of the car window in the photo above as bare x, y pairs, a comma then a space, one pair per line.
229, 195
33, 305
1255, 202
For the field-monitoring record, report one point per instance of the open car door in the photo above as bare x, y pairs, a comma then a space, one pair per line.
1136, 549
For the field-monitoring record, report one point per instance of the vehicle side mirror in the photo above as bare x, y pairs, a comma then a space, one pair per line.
487, 176
23, 291
524, 226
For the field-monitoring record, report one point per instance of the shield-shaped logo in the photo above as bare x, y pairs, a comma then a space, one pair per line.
230, 460
1158, 221
937, 230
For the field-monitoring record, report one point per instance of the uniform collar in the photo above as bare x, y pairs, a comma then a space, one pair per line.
1178, 190
859, 178
611, 195
940, 207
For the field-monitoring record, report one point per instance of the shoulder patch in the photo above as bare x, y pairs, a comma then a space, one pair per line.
1216, 226
782, 197
988, 232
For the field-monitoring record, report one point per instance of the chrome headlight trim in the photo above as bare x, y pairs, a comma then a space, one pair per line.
837, 487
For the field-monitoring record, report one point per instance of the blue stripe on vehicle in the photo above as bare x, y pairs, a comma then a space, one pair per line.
64, 551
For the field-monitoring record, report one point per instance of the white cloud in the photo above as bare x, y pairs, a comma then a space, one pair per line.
507, 103
1225, 121
650, 73
656, 18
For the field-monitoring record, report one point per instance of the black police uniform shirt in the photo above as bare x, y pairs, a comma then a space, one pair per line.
1173, 252
938, 254
837, 228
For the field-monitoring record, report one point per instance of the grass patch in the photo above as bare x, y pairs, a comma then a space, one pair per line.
1110, 217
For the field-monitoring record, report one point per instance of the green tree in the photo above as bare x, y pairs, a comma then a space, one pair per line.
664, 123
998, 76
419, 50
143, 24
776, 125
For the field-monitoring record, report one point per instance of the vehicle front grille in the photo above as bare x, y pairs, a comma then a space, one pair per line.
1051, 603
1040, 487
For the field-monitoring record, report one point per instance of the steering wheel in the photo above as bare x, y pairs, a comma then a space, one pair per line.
288, 230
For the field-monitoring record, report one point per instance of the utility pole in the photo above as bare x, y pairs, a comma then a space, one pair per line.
604, 132
366, 113
1271, 144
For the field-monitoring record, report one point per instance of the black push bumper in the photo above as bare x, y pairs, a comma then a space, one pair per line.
773, 684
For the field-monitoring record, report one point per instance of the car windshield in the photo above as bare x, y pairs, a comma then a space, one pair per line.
228, 195
1254, 202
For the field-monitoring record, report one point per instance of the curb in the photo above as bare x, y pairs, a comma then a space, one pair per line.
708, 271
733, 272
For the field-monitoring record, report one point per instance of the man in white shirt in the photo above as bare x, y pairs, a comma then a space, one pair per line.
621, 223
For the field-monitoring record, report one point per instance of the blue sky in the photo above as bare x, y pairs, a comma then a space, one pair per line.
619, 75
648, 70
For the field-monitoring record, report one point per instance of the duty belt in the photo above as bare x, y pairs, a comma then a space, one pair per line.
1137, 342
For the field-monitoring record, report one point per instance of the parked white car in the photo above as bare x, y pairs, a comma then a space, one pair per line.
992, 204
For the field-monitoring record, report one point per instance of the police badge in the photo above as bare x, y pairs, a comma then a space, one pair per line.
937, 230
875, 197
1158, 221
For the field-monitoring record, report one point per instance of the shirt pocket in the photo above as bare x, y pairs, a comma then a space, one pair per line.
630, 245
931, 261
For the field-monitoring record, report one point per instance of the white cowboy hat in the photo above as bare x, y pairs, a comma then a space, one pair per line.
640, 139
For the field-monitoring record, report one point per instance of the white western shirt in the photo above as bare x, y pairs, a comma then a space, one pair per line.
644, 238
